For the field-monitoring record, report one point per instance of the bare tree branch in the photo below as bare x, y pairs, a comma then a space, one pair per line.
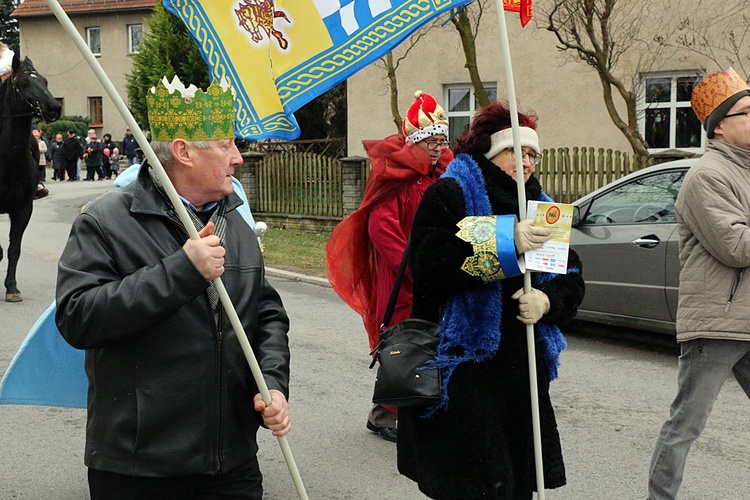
620, 40
722, 38
466, 25
390, 65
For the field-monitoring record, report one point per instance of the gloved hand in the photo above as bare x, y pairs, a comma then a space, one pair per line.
529, 237
532, 305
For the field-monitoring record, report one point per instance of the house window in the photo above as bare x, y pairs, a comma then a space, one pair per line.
95, 112
135, 37
666, 119
461, 106
93, 35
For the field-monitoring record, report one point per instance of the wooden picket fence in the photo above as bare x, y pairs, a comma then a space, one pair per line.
300, 184
311, 184
566, 174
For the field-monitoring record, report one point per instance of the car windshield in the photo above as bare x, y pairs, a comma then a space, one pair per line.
643, 200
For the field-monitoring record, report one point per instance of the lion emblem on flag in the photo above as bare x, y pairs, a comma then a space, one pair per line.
257, 16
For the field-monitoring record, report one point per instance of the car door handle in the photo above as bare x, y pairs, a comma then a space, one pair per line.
649, 241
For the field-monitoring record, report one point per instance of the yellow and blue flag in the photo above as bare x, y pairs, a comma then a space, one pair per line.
278, 55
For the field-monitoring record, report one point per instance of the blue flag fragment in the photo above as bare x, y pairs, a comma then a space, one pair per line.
46, 370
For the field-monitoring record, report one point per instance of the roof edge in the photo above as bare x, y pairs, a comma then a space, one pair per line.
29, 8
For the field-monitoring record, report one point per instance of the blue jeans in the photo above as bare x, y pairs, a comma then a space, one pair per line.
704, 365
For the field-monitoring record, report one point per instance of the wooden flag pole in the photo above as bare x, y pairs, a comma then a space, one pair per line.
527, 275
182, 213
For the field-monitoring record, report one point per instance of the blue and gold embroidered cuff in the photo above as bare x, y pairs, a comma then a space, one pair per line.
494, 247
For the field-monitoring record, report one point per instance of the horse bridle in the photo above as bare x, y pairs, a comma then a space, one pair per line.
35, 107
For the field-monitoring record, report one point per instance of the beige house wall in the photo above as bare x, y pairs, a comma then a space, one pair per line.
554, 92
69, 75
565, 94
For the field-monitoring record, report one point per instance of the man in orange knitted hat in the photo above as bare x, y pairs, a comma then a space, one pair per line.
712, 314
365, 249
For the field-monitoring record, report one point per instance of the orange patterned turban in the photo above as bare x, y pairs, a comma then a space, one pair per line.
715, 95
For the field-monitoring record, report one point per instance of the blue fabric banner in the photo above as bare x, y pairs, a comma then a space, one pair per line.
46, 370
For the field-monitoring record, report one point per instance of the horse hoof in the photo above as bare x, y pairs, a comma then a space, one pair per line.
13, 297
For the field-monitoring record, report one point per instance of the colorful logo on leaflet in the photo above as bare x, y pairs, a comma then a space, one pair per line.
552, 215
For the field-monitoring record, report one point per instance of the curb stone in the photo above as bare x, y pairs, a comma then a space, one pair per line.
289, 275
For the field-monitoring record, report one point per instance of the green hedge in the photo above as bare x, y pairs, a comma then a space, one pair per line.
61, 126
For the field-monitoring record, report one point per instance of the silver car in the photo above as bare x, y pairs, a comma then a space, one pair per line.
626, 235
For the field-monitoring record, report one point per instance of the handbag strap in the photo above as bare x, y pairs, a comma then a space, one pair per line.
396, 289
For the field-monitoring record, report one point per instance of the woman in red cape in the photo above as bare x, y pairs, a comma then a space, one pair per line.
365, 249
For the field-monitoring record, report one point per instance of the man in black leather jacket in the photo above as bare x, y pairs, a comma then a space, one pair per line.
172, 407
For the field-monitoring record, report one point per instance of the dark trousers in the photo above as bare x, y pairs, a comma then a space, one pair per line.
244, 482
94, 170
72, 169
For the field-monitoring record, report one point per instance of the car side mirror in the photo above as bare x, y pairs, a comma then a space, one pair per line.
576, 216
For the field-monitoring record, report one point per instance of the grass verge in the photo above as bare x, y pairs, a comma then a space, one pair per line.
298, 251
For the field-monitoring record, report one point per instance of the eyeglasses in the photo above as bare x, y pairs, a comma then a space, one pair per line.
534, 157
439, 144
746, 113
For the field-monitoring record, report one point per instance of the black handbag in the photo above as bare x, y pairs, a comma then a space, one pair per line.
402, 353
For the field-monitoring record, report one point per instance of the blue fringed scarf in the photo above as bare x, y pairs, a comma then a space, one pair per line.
470, 327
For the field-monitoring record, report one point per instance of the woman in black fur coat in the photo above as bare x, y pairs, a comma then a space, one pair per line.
478, 441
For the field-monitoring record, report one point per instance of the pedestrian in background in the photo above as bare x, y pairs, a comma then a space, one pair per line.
129, 147
366, 248
72, 151
59, 164
42, 145
107, 147
37, 156
93, 156
477, 442
48, 153
713, 218
114, 161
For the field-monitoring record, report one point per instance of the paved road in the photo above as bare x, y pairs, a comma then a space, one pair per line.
611, 399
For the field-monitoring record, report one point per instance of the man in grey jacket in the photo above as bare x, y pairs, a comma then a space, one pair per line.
173, 409
713, 314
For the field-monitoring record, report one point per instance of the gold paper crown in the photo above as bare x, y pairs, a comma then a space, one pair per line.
189, 113
715, 89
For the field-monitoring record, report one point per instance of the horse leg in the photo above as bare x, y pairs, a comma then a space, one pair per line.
18, 221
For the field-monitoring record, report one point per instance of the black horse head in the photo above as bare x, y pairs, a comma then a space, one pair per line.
26, 93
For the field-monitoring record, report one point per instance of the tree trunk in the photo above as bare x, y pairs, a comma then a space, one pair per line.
629, 129
462, 22
393, 87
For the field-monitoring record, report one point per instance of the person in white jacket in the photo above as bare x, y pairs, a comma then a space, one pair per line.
42, 154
